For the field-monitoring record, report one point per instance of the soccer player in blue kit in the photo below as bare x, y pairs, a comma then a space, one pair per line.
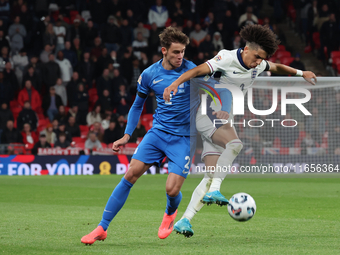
169, 136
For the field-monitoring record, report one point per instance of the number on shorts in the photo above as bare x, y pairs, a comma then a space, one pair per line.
187, 164
242, 86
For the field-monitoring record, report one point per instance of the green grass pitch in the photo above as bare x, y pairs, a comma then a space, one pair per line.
49, 214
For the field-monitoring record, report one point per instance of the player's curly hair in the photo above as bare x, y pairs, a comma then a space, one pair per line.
172, 35
262, 36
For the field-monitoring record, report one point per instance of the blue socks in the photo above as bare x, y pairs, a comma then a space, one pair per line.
116, 202
172, 203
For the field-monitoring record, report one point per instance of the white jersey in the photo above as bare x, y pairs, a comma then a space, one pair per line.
233, 69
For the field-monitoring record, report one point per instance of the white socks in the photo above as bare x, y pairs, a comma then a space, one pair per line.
232, 149
195, 203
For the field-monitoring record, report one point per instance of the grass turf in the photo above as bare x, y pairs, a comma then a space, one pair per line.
49, 215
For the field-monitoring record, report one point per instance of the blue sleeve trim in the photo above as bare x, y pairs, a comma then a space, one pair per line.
134, 114
226, 98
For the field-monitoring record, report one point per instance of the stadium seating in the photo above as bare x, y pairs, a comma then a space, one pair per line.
286, 60
78, 140
281, 54
147, 121
84, 130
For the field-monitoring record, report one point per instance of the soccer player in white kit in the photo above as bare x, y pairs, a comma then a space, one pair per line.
221, 146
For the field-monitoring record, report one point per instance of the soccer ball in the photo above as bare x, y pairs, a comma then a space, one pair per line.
241, 207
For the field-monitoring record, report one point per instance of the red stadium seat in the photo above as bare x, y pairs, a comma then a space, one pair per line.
281, 54
80, 145
272, 59
316, 40
78, 140
84, 130
109, 145
335, 54
286, 60
282, 47
131, 145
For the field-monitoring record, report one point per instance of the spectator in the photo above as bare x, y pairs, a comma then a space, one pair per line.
60, 32
154, 40
44, 55
55, 124
117, 80
297, 64
61, 115
315, 125
65, 68
72, 127
50, 37
90, 34
51, 72
94, 116
77, 48
217, 42
4, 58
127, 32
6, 92
16, 32
123, 100
3, 40
10, 77
5, 115
31, 95
28, 136
102, 62
329, 35
62, 129
111, 134
177, 14
104, 82
111, 35
237, 42
61, 91
139, 45
51, 104
136, 71
32, 75
121, 125
86, 70
73, 111
114, 60
105, 101
92, 142
51, 136
96, 51
10, 134
141, 29
20, 61
70, 54
207, 47
158, 14
108, 117
98, 130
62, 143
42, 143
82, 101
27, 115
71, 88
307, 142
139, 132
247, 18
197, 36
76, 30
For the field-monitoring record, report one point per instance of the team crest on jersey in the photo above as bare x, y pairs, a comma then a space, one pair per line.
139, 79
253, 74
217, 58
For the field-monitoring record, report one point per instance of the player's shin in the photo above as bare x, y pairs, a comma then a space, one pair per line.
115, 202
224, 163
195, 203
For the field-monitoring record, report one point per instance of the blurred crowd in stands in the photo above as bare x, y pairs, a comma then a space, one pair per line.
69, 69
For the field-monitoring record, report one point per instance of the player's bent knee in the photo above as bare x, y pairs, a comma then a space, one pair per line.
236, 145
173, 191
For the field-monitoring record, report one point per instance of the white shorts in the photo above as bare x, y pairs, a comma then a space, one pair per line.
205, 125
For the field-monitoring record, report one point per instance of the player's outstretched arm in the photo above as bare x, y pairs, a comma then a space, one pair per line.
283, 69
132, 121
202, 69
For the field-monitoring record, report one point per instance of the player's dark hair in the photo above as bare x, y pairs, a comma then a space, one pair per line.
172, 35
262, 36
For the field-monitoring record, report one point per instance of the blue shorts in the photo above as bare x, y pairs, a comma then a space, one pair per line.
158, 144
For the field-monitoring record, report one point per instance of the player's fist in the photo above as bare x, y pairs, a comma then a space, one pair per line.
222, 115
122, 141
168, 90
309, 76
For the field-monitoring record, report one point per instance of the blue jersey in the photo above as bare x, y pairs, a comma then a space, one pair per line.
174, 116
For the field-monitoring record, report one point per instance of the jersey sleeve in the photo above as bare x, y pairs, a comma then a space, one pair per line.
264, 66
143, 83
220, 62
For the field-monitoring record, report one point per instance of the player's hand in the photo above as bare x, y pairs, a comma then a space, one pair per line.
122, 141
168, 90
309, 76
222, 115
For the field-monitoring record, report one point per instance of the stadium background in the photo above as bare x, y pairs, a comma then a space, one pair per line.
105, 46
